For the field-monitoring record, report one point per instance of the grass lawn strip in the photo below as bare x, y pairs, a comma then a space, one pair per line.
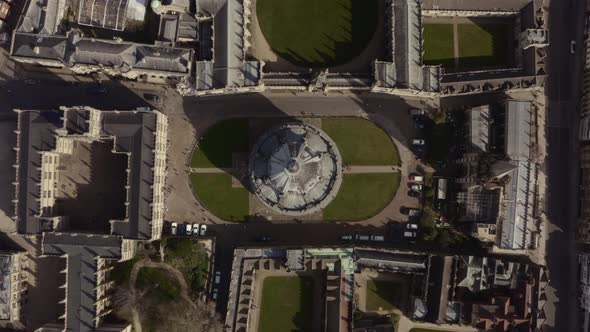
287, 304
361, 142
382, 295
439, 45
362, 196
219, 143
215, 192
483, 44
317, 33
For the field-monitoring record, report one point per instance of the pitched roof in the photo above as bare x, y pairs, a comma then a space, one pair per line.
82, 251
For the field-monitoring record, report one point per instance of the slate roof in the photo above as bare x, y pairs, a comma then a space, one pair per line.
518, 129
134, 134
37, 134
39, 46
82, 252
73, 49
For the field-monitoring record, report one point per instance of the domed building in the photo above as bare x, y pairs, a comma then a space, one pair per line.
295, 169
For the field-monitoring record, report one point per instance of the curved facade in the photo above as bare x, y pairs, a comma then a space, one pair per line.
295, 169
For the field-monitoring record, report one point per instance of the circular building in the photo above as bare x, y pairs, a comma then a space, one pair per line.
295, 169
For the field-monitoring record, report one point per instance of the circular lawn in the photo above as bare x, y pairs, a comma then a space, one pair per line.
314, 33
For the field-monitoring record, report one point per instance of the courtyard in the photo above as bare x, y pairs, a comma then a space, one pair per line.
287, 304
382, 292
316, 34
371, 161
465, 43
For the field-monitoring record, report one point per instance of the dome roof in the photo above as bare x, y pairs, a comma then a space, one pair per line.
295, 169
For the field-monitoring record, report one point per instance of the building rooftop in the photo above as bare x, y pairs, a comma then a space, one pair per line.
6, 267
496, 5
134, 134
36, 133
479, 128
106, 14
82, 252
518, 129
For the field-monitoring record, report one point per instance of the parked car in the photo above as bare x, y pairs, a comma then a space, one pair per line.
416, 111
173, 228
377, 238
418, 124
346, 238
362, 237
31, 82
189, 229
416, 187
196, 229
217, 277
414, 212
413, 193
418, 141
410, 235
181, 229
203, 230
97, 90
263, 238
214, 295
412, 226
151, 97
416, 178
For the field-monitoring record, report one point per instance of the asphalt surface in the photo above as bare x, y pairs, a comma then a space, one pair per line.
562, 89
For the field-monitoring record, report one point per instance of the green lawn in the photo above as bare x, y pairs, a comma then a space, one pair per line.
190, 257
361, 142
362, 196
219, 143
383, 295
160, 286
480, 45
483, 44
215, 192
316, 33
287, 304
438, 45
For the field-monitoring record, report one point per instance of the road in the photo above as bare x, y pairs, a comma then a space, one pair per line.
562, 89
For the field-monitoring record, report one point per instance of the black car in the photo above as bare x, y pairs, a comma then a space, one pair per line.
414, 193
151, 97
97, 90
263, 238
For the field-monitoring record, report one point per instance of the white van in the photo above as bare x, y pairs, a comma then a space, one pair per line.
362, 237
410, 234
